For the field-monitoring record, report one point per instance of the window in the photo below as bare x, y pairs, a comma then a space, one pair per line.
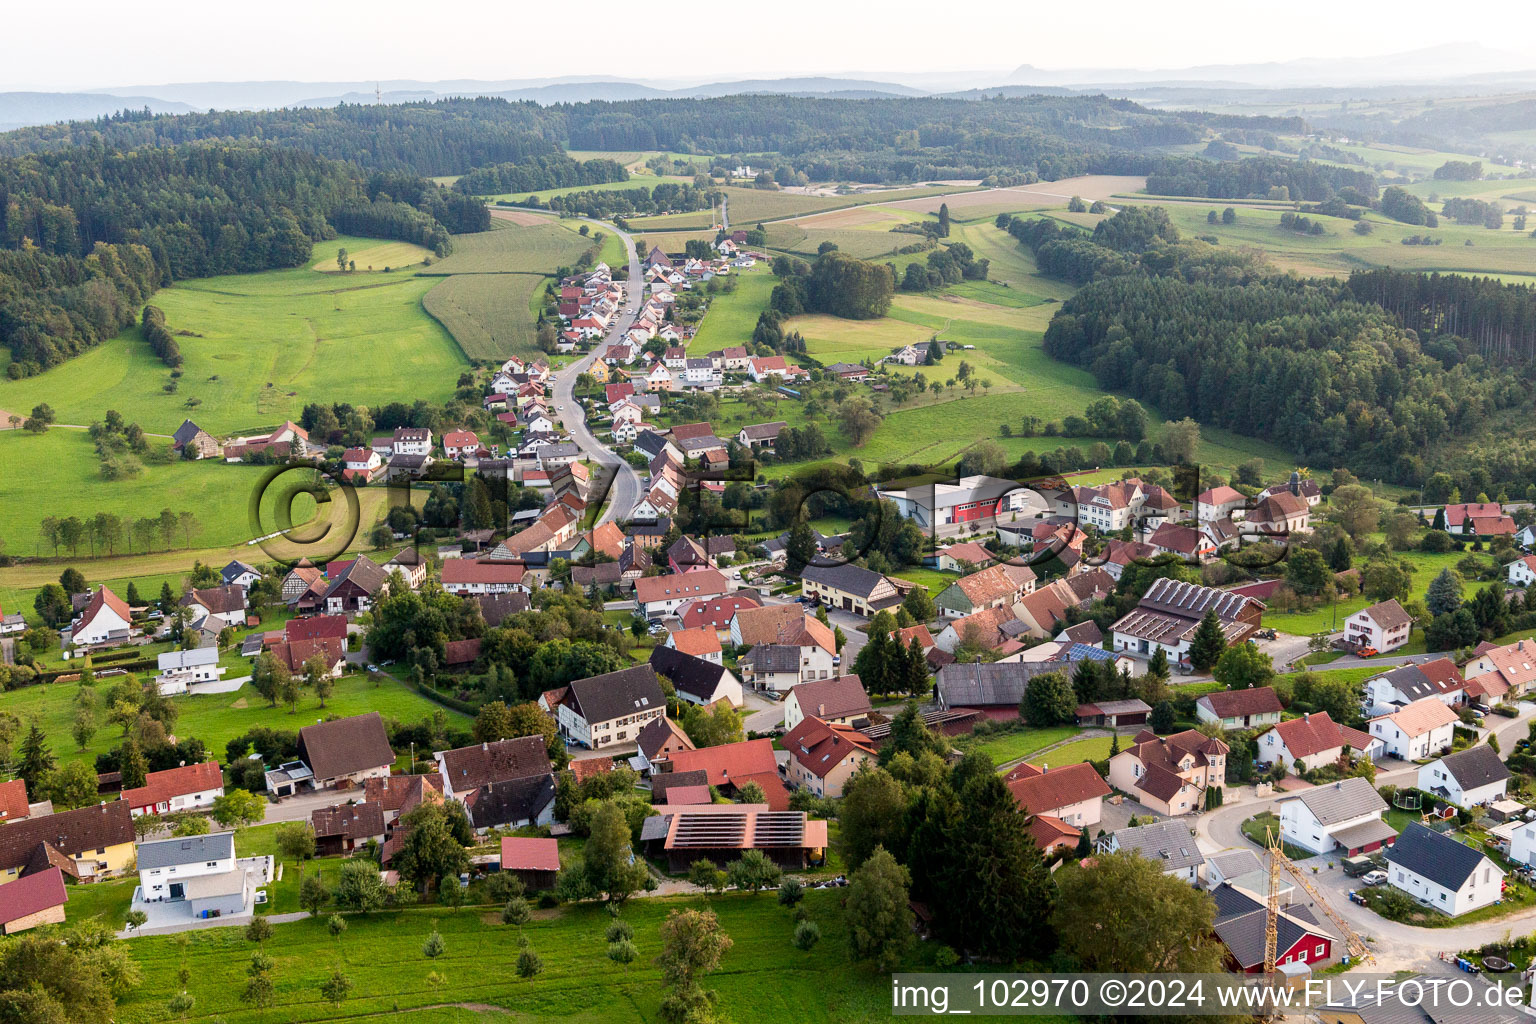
1319, 950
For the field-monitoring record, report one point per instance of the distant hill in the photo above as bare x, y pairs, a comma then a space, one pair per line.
19, 109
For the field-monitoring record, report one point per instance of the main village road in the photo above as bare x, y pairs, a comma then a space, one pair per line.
624, 491
1395, 946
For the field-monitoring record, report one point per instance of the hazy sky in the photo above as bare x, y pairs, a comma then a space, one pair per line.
92, 44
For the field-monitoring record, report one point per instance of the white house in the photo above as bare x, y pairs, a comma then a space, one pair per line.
1315, 740
611, 708
657, 596
183, 788
413, 441
1522, 843
106, 618
1345, 815
907, 355
239, 574
1394, 690
1384, 626
1466, 778
200, 870
1218, 503
178, 670
1442, 873
1169, 844
1522, 571
1421, 729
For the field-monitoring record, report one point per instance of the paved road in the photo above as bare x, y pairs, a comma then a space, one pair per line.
624, 492
1394, 945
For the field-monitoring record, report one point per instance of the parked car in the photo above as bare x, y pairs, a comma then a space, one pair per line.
1374, 878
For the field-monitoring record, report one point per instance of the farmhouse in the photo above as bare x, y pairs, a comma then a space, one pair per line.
105, 619
345, 752
1439, 872
730, 766
224, 604
658, 740
1169, 844
1314, 739
838, 701
697, 680
464, 576
1482, 519
992, 587
849, 587
465, 769
176, 789
1240, 709
303, 586
993, 689
611, 708
346, 827
1170, 774
1384, 626
1418, 730
1073, 794
193, 442
355, 589
86, 843
1345, 815
1467, 778
1171, 610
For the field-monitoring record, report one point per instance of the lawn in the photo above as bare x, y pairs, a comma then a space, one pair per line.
218, 718
370, 254
1261, 826
1012, 746
749, 205
1095, 748
733, 315
762, 977
262, 346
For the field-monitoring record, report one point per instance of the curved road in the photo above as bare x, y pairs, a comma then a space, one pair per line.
624, 491
1394, 945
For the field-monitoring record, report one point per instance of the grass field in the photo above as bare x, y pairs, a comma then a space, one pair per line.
635, 181
488, 314
1011, 746
218, 718
371, 254
749, 205
1095, 748
510, 247
762, 977
732, 316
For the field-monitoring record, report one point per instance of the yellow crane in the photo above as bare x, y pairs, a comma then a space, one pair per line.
1278, 861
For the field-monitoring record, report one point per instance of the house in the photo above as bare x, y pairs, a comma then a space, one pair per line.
289, 441
465, 769
346, 751
1112, 714
1240, 709
658, 740
1181, 541
535, 860
849, 371
761, 624
1396, 689
850, 588
398, 795
1467, 778
1384, 626
1242, 925
697, 680
723, 832
993, 587
824, 755
1121, 553
412, 441
356, 588
295, 654
1219, 503
201, 871
344, 828
92, 841
460, 443
1522, 571
1112, 507
464, 576
1478, 518
771, 667
907, 355
730, 766
1279, 514
1168, 614
658, 596
224, 603
193, 442
837, 701
610, 708
802, 650
993, 689
1442, 873
971, 499
1170, 774
699, 643
760, 435
1073, 793
762, 369
304, 584
1502, 671
1418, 730
13, 801
185, 788
34, 900
239, 574
1344, 815
966, 556
104, 619
179, 670
1169, 844
1314, 739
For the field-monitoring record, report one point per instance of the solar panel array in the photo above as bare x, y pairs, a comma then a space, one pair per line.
779, 828
709, 831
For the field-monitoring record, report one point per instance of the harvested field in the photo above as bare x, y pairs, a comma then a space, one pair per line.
523, 217
1045, 193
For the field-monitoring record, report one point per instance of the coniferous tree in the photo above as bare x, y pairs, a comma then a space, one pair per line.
1208, 643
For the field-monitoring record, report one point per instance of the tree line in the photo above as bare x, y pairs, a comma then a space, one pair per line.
540, 171
1498, 320
1257, 178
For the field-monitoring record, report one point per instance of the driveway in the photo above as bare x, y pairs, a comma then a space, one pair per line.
299, 808
765, 714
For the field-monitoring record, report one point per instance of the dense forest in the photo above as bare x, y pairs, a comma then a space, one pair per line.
552, 170
620, 203
1497, 319
1257, 178
1300, 363
89, 234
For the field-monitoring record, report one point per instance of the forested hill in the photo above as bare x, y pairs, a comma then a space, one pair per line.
89, 234
828, 139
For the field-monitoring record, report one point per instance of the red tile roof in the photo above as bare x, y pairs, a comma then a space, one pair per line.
699, 583
464, 571
729, 762
529, 853
159, 787
697, 642
315, 627
461, 652
591, 767
1058, 787
1312, 734
13, 800
32, 894
104, 598
821, 746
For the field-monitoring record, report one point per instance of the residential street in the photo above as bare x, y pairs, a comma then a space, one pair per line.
1394, 945
624, 491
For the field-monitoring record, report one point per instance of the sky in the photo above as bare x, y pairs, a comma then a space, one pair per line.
98, 44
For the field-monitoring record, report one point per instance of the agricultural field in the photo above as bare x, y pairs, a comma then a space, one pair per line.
733, 315
533, 244
762, 976
489, 315
750, 205
371, 254
218, 718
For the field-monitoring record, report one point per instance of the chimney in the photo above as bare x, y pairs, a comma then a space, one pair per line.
1045, 767
485, 746
1307, 717
821, 710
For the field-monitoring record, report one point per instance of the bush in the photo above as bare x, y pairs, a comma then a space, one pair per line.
807, 934
945, 958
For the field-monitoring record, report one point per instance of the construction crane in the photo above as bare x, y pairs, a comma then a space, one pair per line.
1278, 861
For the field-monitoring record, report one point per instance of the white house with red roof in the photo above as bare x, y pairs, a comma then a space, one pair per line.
459, 443
105, 619
1416, 731
1495, 672
1480, 518
360, 464
464, 576
1218, 503
1315, 740
1522, 571
1074, 793
176, 789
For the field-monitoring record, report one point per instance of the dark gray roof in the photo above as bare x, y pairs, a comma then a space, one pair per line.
494, 608
708, 442
1342, 800
1475, 766
1436, 857
772, 658
628, 691
849, 578
502, 803
650, 442
1241, 923
655, 827
689, 674
972, 684
1167, 842
236, 568
165, 853
556, 451
186, 432
361, 572
1232, 863
1411, 682
666, 780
